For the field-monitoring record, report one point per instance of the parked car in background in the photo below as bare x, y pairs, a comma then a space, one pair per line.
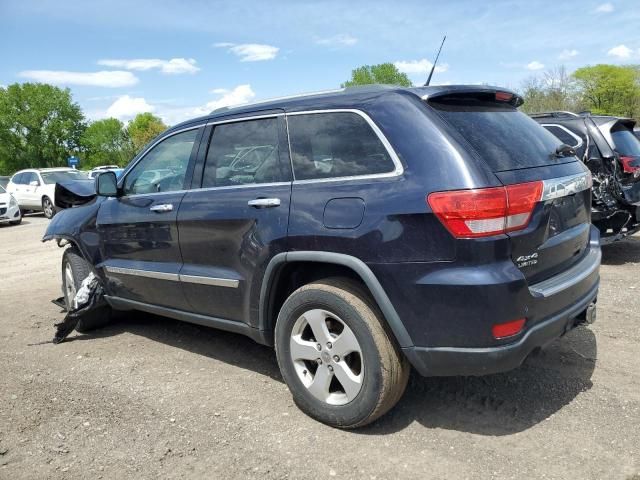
359, 232
34, 189
9, 209
95, 171
608, 146
4, 181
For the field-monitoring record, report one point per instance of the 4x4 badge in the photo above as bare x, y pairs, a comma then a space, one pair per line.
527, 260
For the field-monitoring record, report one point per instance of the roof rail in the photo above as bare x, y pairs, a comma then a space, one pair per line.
556, 114
275, 99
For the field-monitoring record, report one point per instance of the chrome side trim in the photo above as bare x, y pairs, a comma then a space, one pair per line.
143, 273
561, 127
215, 282
569, 277
244, 119
564, 186
175, 277
396, 172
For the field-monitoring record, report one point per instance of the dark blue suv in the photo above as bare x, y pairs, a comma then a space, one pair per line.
359, 232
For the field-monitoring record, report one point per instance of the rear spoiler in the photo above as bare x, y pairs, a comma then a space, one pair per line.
478, 91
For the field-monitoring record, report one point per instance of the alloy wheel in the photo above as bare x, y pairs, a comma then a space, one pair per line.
327, 357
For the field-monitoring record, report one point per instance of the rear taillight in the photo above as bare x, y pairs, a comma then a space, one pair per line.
630, 164
484, 212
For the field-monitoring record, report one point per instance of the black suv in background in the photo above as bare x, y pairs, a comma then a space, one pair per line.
608, 146
359, 232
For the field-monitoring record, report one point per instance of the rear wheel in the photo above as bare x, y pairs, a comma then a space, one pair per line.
48, 208
74, 270
335, 354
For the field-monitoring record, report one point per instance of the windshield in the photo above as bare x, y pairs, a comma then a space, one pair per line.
626, 143
62, 176
504, 137
2, 190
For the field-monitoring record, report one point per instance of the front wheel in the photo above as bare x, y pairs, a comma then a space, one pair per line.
48, 207
74, 270
336, 356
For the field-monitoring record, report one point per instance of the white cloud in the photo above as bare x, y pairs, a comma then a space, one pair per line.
110, 79
174, 66
340, 40
419, 66
567, 54
239, 95
535, 65
620, 51
604, 8
250, 52
126, 107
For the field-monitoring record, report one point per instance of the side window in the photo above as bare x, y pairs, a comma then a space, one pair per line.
564, 135
29, 177
340, 144
164, 167
243, 153
17, 178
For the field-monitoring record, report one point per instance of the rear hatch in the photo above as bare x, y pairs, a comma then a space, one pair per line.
547, 189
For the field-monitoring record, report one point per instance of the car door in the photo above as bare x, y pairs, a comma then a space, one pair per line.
137, 229
236, 221
30, 184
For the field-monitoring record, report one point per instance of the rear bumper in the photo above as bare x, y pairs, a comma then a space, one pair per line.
449, 361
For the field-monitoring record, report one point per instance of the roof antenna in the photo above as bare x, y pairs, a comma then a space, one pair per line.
433, 67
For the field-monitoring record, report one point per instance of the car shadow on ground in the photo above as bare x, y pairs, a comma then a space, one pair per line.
621, 252
499, 404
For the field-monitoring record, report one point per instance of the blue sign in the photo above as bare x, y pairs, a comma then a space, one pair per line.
73, 161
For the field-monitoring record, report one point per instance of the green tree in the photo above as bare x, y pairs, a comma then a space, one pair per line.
384, 73
105, 142
610, 89
40, 126
553, 90
142, 129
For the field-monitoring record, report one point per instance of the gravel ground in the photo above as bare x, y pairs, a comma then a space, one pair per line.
150, 397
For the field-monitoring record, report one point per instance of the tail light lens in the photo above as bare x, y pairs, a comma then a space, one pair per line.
630, 164
486, 211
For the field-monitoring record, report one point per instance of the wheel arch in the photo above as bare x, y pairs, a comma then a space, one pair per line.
356, 267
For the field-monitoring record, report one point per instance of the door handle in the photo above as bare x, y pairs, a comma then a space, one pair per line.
165, 207
264, 202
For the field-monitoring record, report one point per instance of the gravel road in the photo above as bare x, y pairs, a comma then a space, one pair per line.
150, 397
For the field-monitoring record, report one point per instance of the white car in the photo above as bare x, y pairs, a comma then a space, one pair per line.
9, 210
34, 189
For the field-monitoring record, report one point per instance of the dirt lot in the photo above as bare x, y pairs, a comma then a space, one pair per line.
150, 397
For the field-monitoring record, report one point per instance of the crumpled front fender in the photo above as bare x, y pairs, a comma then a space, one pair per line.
78, 226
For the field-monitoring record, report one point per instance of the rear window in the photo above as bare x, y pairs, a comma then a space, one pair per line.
335, 144
504, 137
626, 143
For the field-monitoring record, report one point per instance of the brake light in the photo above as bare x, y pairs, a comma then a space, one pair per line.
484, 212
629, 164
503, 96
507, 329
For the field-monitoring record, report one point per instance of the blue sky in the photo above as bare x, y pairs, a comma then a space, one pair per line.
182, 59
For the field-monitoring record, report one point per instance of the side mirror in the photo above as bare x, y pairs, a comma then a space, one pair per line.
106, 184
34, 183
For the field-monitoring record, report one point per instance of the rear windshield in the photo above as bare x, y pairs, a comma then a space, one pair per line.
504, 137
626, 143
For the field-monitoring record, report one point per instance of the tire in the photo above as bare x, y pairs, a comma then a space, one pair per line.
375, 372
48, 207
71, 281
16, 222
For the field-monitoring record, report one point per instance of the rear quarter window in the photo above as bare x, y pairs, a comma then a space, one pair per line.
504, 137
625, 142
334, 145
